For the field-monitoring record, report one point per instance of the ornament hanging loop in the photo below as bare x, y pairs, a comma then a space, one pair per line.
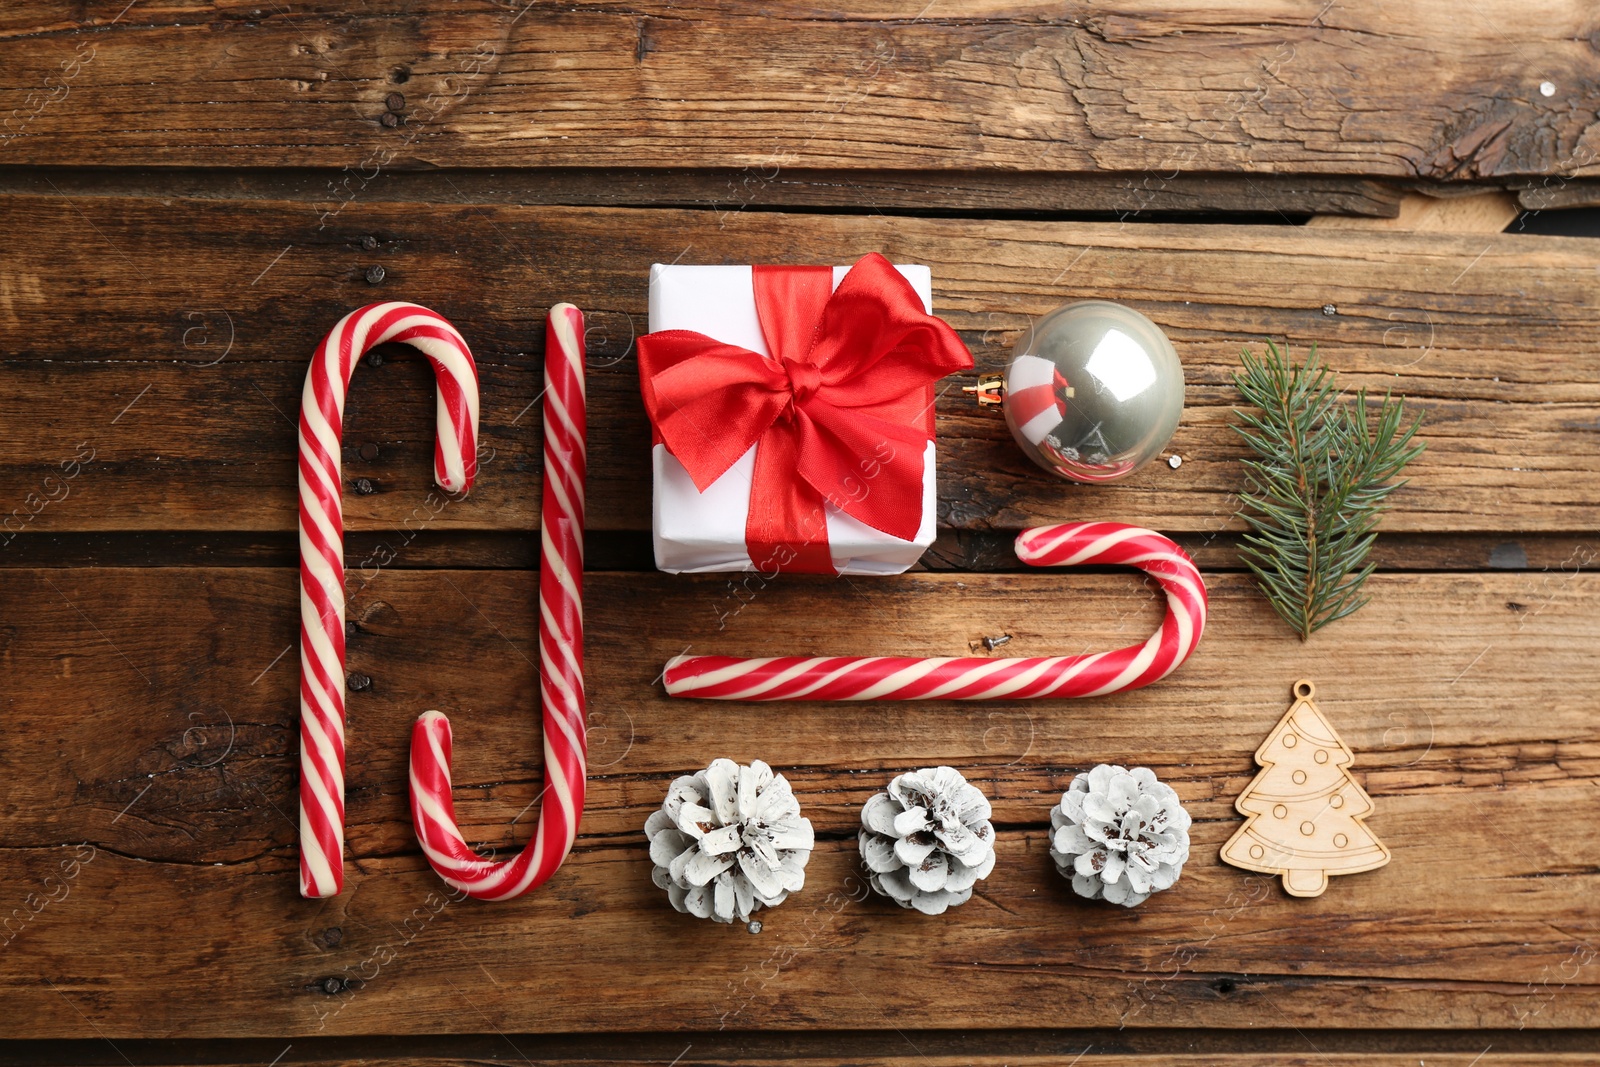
1304, 689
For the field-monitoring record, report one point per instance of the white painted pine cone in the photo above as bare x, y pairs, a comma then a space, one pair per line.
728, 841
1119, 835
927, 840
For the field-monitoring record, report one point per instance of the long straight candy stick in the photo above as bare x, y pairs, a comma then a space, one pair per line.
974, 678
455, 463
560, 659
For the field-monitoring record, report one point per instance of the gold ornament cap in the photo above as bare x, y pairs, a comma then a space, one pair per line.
990, 392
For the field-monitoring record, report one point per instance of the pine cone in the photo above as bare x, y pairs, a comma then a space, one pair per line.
729, 840
1119, 834
927, 840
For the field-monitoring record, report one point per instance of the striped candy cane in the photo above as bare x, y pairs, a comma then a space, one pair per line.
560, 659
455, 462
971, 678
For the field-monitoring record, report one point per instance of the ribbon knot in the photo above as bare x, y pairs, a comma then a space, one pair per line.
851, 367
803, 378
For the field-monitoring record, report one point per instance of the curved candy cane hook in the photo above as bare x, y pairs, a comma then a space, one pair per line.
560, 659
973, 678
455, 463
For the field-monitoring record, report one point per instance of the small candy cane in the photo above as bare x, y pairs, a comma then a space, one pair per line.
973, 678
560, 659
455, 462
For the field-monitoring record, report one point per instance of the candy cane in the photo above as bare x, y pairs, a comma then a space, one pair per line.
560, 659
972, 678
455, 462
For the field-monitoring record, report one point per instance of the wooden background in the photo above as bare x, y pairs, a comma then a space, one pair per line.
193, 192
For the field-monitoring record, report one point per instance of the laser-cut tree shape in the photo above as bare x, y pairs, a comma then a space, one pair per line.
1304, 809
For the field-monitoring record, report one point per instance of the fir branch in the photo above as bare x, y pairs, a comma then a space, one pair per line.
1316, 486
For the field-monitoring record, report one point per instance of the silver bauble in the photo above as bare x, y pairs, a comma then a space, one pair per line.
1094, 390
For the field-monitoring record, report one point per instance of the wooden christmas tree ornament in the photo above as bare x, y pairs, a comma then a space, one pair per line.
1304, 811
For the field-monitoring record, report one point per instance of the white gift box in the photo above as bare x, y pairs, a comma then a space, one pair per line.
698, 532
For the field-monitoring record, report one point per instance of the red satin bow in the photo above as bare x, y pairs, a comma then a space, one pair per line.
842, 411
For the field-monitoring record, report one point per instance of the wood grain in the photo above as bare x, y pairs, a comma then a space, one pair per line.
630, 550
1009, 84
1270, 197
1488, 213
171, 340
1489, 1058
178, 799
1555, 193
1033, 1047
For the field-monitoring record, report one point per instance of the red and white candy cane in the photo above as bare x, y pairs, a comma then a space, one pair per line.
560, 659
455, 463
971, 678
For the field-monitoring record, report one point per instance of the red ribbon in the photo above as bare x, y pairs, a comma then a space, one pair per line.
841, 412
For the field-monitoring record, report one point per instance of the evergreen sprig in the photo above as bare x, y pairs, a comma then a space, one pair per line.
1316, 487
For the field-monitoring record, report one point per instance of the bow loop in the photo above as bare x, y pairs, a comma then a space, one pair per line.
839, 414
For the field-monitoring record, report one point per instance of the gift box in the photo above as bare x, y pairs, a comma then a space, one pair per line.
792, 410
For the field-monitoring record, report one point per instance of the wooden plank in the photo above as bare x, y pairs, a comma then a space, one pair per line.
1314, 1058
966, 550
1022, 605
150, 719
942, 192
1489, 213
630, 550
185, 379
911, 1043
1556, 193
1420, 92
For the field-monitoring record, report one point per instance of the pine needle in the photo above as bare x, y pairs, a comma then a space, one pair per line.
1316, 486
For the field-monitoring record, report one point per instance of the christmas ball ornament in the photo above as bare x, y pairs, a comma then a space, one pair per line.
729, 841
1119, 835
927, 839
1093, 391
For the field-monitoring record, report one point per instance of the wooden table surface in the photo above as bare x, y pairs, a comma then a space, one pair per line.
193, 192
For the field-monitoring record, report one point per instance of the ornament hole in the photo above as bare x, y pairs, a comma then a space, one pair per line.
1304, 689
